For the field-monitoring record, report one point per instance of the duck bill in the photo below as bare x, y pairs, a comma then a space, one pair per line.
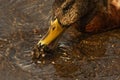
53, 35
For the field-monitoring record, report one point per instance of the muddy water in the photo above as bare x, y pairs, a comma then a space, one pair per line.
80, 56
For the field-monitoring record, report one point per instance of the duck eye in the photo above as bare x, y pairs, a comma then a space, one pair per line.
68, 5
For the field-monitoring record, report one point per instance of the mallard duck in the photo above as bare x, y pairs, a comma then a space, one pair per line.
85, 15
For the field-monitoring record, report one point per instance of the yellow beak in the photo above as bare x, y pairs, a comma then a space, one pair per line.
55, 30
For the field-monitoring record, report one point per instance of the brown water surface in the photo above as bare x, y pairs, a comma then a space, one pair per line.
23, 22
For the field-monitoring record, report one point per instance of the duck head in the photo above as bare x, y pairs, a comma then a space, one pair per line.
66, 13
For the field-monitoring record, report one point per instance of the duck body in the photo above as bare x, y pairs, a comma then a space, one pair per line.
105, 20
